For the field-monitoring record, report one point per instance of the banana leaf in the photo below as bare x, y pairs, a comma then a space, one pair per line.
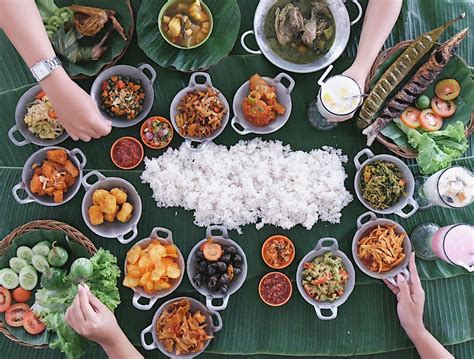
226, 15
29, 239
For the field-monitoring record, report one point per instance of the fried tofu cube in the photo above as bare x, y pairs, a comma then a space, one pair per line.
125, 212
134, 254
110, 217
119, 194
109, 204
98, 196
96, 216
58, 156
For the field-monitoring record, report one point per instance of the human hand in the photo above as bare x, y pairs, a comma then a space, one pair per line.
411, 300
76, 110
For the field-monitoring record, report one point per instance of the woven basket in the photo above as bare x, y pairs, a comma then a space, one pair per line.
383, 56
72, 233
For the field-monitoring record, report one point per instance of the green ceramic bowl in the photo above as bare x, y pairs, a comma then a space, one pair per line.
162, 12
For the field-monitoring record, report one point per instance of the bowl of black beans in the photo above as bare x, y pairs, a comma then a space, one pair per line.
217, 267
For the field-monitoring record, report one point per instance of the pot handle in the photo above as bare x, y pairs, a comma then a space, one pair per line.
121, 237
222, 229
87, 186
14, 140
324, 75
320, 315
372, 216
169, 234
144, 332
234, 122
197, 148
246, 48
15, 190
150, 68
393, 280
218, 327
215, 308
333, 246
192, 80
359, 9
357, 157
291, 85
137, 297
413, 204
76, 153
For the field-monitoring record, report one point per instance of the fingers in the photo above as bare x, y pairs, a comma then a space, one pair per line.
86, 308
395, 290
76, 308
94, 301
404, 294
415, 278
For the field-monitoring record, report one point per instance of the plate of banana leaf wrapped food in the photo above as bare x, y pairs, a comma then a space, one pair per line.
420, 102
87, 35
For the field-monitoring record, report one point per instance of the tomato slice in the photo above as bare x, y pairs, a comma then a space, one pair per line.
443, 108
410, 116
448, 89
32, 323
15, 314
430, 121
5, 299
21, 295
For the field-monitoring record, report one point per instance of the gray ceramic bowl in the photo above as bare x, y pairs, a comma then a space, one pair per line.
283, 96
210, 327
37, 158
364, 228
319, 250
153, 297
223, 239
22, 128
404, 201
195, 143
135, 73
114, 229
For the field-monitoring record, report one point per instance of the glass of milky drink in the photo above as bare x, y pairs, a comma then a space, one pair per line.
338, 98
449, 188
453, 244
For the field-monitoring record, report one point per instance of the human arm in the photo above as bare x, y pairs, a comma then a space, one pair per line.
89, 317
411, 301
76, 110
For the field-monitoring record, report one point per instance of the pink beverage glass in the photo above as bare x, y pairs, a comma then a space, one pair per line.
454, 244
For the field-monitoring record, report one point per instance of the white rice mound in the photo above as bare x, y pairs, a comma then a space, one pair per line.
262, 182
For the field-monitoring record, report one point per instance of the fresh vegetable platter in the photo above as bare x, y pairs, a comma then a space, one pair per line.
279, 332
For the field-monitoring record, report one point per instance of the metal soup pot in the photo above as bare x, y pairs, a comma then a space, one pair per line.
210, 327
343, 28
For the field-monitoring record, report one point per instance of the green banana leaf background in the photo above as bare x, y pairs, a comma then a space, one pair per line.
367, 326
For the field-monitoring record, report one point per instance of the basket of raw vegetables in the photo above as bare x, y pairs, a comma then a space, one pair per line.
420, 102
41, 265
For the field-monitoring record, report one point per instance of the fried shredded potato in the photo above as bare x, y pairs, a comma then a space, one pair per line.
181, 331
382, 249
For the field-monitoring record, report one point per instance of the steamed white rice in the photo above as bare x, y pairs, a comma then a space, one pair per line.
262, 182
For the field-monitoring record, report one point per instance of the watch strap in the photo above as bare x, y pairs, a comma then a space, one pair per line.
44, 68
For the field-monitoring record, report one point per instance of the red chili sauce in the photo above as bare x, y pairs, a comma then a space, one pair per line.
275, 288
127, 153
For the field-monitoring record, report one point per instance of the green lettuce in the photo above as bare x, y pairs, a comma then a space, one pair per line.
437, 149
47, 8
51, 304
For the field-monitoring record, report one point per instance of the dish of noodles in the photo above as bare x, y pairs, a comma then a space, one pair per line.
180, 331
41, 118
381, 250
200, 113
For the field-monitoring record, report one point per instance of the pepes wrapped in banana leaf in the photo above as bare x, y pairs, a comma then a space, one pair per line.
424, 76
397, 72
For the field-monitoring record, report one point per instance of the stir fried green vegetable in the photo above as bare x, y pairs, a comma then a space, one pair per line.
325, 278
382, 184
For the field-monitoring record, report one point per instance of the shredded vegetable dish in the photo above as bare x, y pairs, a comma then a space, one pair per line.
381, 249
325, 278
382, 184
41, 118
122, 97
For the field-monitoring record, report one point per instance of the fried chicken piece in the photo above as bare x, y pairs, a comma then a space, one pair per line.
267, 92
256, 110
36, 186
71, 169
57, 156
58, 196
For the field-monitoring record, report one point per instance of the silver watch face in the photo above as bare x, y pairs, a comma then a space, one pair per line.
41, 70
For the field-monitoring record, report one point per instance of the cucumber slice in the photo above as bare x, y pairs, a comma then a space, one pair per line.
40, 263
16, 263
42, 248
9, 278
28, 277
25, 252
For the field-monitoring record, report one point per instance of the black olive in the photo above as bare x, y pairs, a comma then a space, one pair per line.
221, 267
230, 250
212, 283
203, 265
211, 270
224, 289
237, 271
225, 258
199, 254
237, 261
223, 280
197, 280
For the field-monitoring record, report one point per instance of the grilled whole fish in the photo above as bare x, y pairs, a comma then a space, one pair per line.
424, 76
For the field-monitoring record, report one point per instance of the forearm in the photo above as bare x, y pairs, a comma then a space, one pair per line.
121, 348
427, 345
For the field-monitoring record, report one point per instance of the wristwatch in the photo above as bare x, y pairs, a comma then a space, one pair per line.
43, 68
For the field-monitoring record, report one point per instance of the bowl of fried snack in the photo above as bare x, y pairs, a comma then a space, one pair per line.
51, 176
262, 105
182, 328
199, 112
111, 207
154, 268
381, 248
